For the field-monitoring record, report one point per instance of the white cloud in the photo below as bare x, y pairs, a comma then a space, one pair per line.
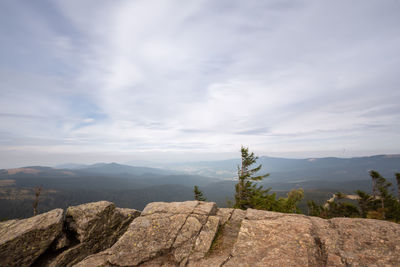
210, 76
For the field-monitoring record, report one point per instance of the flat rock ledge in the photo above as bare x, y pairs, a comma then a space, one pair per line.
195, 233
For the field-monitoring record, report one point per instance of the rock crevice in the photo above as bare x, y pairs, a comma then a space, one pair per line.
321, 256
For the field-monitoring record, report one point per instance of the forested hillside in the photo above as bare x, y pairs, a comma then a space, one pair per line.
134, 187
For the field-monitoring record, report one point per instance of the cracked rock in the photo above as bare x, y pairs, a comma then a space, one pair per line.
23, 241
195, 234
166, 231
95, 226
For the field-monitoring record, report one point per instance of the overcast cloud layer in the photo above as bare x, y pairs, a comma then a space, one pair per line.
87, 81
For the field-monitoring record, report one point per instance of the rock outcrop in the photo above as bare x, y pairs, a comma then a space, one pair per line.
275, 239
165, 233
23, 241
89, 228
194, 233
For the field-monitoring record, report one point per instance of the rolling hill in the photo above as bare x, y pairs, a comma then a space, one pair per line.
133, 186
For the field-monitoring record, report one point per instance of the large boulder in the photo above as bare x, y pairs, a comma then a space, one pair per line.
92, 222
91, 228
277, 239
23, 241
357, 242
165, 233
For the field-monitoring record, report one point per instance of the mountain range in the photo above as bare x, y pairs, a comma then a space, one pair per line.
135, 186
319, 168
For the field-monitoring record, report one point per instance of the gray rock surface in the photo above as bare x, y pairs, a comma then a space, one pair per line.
195, 234
165, 234
220, 251
276, 239
357, 242
23, 241
96, 226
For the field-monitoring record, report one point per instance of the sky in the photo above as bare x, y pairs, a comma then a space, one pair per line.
157, 81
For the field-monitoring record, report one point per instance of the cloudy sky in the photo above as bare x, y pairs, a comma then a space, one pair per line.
169, 80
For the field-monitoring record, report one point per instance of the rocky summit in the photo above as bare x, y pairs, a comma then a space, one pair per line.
194, 233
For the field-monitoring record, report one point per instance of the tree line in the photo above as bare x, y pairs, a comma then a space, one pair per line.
381, 204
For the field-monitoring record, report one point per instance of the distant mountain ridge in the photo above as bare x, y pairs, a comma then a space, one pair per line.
97, 168
102, 176
115, 168
134, 187
281, 169
71, 166
354, 168
129, 186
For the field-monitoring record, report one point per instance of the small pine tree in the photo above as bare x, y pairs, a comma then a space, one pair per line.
365, 203
398, 185
247, 192
198, 194
38, 190
384, 205
376, 180
314, 209
293, 199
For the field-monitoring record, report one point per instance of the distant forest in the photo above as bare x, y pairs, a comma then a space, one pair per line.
381, 204
134, 187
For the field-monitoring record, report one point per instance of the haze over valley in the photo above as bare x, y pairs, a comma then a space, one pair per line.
134, 187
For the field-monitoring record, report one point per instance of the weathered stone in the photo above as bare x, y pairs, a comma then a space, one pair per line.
68, 257
164, 231
252, 214
97, 226
23, 241
188, 236
195, 233
205, 208
191, 228
224, 214
205, 238
88, 220
163, 261
358, 242
274, 239
146, 238
224, 240
99, 259
238, 215
62, 241
186, 207
128, 213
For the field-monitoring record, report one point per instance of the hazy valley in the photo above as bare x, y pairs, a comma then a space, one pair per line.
134, 187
